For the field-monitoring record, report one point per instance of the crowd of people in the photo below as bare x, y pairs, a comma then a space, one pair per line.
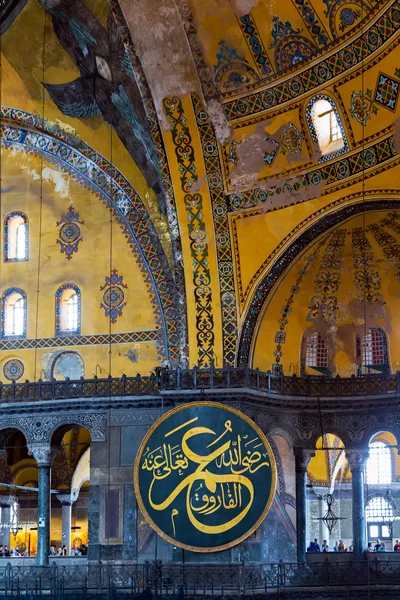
6, 551
340, 546
80, 550
75, 551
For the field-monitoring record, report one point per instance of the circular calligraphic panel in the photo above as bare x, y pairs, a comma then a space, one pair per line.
205, 476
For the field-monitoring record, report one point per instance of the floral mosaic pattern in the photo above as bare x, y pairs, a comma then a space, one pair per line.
113, 296
69, 233
327, 281
196, 229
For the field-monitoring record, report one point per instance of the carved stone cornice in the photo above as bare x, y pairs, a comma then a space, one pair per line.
302, 458
357, 458
39, 428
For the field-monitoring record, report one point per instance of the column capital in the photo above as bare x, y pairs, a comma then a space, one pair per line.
66, 499
6, 501
357, 458
302, 457
43, 453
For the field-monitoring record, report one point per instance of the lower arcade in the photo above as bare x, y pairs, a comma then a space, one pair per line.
70, 511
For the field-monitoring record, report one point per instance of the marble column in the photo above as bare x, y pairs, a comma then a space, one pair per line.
67, 501
43, 454
357, 459
5, 503
302, 458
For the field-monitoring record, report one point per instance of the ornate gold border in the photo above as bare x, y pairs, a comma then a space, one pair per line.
273, 479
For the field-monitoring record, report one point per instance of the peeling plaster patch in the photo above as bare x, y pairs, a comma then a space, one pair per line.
250, 159
243, 7
168, 66
61, 180
222, 127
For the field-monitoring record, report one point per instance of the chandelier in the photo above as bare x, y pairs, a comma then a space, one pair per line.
329, 519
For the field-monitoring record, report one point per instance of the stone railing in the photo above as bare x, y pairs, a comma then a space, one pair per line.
166, 381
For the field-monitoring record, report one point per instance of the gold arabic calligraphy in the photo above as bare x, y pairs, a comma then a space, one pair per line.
227, 490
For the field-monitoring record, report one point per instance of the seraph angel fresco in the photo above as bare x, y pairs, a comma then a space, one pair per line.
107, 84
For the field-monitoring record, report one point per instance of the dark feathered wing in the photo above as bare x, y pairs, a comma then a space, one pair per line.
75, 99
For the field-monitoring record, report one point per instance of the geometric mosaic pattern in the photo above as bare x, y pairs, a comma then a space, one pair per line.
184, 152
13, 369
387, 91
221, 227
81, 340
337, 63
95, 173
255, 44
332, 173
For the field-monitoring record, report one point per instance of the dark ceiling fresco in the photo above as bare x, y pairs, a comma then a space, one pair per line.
107, 84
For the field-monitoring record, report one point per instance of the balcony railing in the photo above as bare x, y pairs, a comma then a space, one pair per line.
165, 380
201, 581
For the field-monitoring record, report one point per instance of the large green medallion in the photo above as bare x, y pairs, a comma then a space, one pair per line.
205, 476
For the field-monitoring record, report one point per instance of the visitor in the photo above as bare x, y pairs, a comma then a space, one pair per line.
382, 548
6, 551
314, 546
76, 551
83, 549
325, 546
64, 550
59, 552
52, 551
377, 546
397, 546
336, 547
342, 547
369, 547
351, 547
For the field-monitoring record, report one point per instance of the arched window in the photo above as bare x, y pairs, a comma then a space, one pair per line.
372, 348
14, 313
16, 237
326, 127
379, 464
68, 310
379, 514
315, 352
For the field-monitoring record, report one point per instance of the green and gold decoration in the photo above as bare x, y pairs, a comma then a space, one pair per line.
205, 476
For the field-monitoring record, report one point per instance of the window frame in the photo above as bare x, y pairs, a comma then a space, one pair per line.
377, 466
4, 310
60, 307
362, 354
7, 222
310, 119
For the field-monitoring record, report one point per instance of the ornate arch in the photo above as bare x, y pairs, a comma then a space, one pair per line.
24, 132
272, 274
